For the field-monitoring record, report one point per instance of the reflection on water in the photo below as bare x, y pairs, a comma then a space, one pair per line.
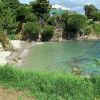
65, 56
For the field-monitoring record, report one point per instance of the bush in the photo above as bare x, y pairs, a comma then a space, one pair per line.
95, 16
12, 36
97, 29
52, 21
88, 30
32, 30
31, 17
47, 33
12, 28
73, 25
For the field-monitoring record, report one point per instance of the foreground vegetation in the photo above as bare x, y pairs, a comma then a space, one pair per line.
51, 86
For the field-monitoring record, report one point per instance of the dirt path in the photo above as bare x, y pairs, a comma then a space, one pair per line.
9, 94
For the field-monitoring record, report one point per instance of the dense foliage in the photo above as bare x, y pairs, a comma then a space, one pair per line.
73, 25
32, 30
95, 16
47, 33
89, 9
92, 12
52, 21
41, 8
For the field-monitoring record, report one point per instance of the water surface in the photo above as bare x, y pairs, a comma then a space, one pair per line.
65, 56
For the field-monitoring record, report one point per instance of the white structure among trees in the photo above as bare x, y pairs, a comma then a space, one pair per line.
56, 6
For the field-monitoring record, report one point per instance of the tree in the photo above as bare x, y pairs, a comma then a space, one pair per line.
73, 25
12, 4
31, 17
89, 9
52, 21
21, 13
7, 18
65, 17
47, 33
41, 8
32, 30
95, 16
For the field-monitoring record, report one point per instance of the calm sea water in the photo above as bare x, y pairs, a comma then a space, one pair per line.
65, 56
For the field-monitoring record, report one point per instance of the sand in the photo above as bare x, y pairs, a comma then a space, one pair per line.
16, 57
4, 54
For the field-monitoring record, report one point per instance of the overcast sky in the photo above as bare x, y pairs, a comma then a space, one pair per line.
76, 5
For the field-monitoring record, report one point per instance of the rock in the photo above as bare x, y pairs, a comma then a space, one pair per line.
76, 71
15, 60
19, 58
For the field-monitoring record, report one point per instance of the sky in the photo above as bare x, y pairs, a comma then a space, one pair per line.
74, 5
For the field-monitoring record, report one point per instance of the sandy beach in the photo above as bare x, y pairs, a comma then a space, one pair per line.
4, 55
22, 48
17, 56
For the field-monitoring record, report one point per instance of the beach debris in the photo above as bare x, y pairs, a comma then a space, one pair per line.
76, 70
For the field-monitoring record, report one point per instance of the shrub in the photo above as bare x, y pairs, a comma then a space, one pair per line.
12, 36
95, 16
12, 28
88, 30
73, 25
52, 21
31, 17
97, 29
32, 30
47, 33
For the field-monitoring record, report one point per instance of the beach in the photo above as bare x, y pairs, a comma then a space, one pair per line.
21, 49
16, 57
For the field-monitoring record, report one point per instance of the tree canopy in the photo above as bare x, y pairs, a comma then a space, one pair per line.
41, 8
73, 24
89, 9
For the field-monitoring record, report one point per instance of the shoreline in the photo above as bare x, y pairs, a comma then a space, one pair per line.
89, 37
17, 58
22, 48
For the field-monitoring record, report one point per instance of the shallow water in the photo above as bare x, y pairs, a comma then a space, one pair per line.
65, 56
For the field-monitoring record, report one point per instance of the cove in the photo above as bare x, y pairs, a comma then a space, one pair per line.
64, 56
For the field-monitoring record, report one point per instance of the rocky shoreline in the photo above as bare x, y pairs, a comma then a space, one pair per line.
89, 37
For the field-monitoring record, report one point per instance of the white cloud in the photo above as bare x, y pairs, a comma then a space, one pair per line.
76, 5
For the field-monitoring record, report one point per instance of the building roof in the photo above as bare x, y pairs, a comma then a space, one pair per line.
56, 6
57, 11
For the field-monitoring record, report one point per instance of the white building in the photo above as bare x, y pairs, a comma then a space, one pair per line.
56, 6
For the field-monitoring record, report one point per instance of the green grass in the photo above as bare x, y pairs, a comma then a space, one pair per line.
51, 86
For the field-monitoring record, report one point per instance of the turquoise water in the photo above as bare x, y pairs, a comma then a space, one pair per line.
65, 56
